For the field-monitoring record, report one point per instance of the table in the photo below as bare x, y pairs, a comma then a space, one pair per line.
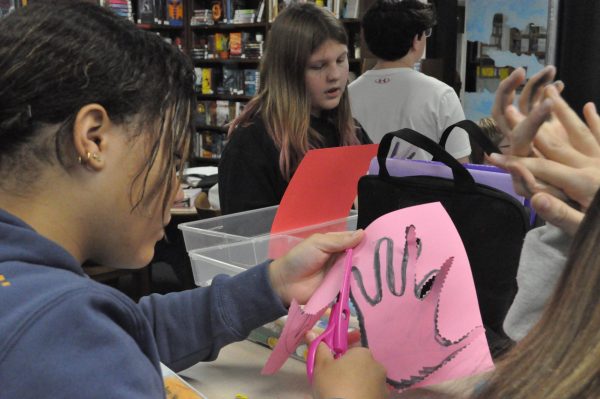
184, 211
237, 370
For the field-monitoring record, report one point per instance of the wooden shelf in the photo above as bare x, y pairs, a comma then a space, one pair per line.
224, 97
230, 27
229, 61
159, 27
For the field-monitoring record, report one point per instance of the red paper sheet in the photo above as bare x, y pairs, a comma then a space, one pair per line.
323, 187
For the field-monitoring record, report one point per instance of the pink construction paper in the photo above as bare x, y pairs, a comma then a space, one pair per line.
323, 187
419, 341
296, 326
301, 320
328, 289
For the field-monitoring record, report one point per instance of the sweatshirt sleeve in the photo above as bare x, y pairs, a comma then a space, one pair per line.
192, 326
86, 342
543, 259
94, 342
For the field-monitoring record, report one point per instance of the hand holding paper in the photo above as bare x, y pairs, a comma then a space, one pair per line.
421, 337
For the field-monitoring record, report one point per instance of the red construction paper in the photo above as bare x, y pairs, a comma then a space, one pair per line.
323, 187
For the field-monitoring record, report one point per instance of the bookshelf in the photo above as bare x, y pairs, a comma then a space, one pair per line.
226, 54
164, 17
8, 6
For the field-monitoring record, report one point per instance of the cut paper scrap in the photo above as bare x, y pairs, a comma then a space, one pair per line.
323, 187
300, 321
296, 326
422, 333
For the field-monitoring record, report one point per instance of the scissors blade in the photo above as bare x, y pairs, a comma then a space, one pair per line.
335, 335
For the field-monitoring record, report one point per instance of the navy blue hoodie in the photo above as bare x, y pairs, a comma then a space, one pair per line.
62, 335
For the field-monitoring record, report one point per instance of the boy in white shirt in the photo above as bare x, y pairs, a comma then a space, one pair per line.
393, 95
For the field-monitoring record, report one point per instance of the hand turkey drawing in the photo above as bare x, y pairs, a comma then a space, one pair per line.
411, 339
415, 298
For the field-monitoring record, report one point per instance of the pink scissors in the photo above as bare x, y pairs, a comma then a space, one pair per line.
335, 335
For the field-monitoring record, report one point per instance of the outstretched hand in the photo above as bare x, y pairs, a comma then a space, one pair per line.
555, 156
299, 273
532, 111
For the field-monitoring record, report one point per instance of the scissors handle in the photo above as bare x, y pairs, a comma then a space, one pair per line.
335, 335
325, 337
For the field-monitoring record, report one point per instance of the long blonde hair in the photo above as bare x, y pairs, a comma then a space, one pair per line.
283, 100
560, 357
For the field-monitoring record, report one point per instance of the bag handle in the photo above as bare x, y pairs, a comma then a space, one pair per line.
474, 132
462, 177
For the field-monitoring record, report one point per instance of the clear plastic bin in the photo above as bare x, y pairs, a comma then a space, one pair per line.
242, 226
227, 229
234, 258
232, 243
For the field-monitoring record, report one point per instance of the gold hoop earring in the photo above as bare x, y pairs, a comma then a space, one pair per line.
88, 155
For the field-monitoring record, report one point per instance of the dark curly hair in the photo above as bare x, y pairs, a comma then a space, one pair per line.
56, 58
389, 26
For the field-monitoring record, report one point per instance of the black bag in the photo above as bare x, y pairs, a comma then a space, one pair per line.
491, 223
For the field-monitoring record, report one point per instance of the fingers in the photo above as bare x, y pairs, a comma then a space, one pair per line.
505, 96
557, 212
523, 180
354, 375
533, 90
527, 183
301, 270
592, 119
580, 135
323, 355
310, 336
533, 175
337, 242
559, 84
521, 137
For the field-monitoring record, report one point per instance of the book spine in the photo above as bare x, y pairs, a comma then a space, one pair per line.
259, 13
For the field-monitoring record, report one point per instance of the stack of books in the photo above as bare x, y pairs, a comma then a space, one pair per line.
233, 81
121, 8
202, 17
251, 81
243, 16
208, 144
199, 53
252, 50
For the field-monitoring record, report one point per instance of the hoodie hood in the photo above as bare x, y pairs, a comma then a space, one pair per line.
38, 249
